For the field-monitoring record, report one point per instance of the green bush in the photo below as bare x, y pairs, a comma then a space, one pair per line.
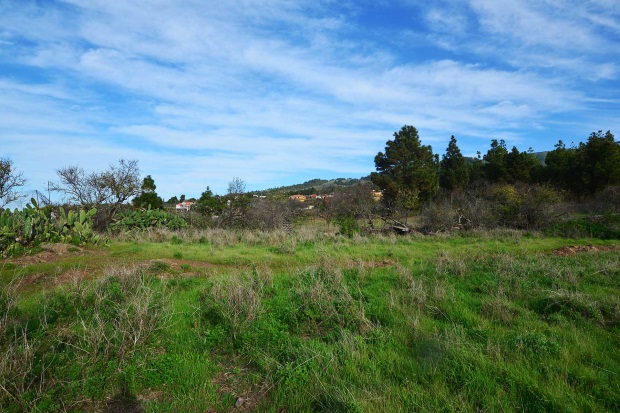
583, 228
348, 226
141, 219
20, 231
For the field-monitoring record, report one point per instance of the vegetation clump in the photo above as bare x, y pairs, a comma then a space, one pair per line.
23, 230
142, 219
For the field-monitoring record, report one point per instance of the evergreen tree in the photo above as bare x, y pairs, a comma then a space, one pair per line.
453, 173
475, 169
148, 196
588, 168
560, 166
408, 172
209, 203
521, 166
495, 167
598, 163
148, 184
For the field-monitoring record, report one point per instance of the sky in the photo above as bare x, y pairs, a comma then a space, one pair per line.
278, 92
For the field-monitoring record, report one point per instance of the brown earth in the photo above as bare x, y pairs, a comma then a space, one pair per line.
574, 249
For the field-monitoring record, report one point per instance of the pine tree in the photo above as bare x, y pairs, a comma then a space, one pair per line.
495, 158
453, 173
408, 172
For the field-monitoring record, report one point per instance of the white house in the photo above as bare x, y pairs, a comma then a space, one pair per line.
184, 206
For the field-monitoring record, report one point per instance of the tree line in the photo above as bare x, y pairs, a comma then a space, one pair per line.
510, 188
515, 185
410, 173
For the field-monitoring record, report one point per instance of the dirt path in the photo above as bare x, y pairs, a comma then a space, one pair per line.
574, 249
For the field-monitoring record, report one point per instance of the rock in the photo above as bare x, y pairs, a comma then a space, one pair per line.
239, 402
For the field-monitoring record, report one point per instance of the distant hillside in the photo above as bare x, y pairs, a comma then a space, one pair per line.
324, 186
314, 186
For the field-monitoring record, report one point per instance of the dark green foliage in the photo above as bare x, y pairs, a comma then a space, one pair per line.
348, 225
210, 204
454, 173
81, 347
588, 168
148, 198
148, 218
23, 230
148, 184
560, 166
593, 227
408, 172
495, 169
522, 166
510, 167
597, 163
475, 170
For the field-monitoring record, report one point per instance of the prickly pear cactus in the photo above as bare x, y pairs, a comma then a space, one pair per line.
22, 230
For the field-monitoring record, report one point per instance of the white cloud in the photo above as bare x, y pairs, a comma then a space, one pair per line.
202, 91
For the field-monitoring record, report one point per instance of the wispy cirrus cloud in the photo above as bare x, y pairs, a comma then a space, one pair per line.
271, 90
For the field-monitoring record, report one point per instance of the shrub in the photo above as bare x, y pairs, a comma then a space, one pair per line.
520, 206
80, 345
439, 216
142, 219
348, 226
23, 230
232, 305
323, 303
584, 228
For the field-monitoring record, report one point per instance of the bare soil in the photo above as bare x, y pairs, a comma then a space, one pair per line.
574, 249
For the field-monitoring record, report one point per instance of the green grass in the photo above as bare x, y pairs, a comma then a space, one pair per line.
316, 322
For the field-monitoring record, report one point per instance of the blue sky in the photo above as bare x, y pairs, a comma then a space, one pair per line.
277, 92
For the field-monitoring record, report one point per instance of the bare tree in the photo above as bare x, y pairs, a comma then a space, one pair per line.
272, 213
107, 190
348, 206
236, 186
9, 181
237, 203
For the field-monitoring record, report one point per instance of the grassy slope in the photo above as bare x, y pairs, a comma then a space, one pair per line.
314, 322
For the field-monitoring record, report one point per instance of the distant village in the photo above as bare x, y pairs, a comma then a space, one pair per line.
187, 205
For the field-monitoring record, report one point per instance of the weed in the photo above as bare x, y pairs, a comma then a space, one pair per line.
468, 322
576, 306
158, 267
232, 305
283, 248
534, 344
323, 302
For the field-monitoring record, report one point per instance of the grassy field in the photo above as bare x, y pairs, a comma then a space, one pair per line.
217, 321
